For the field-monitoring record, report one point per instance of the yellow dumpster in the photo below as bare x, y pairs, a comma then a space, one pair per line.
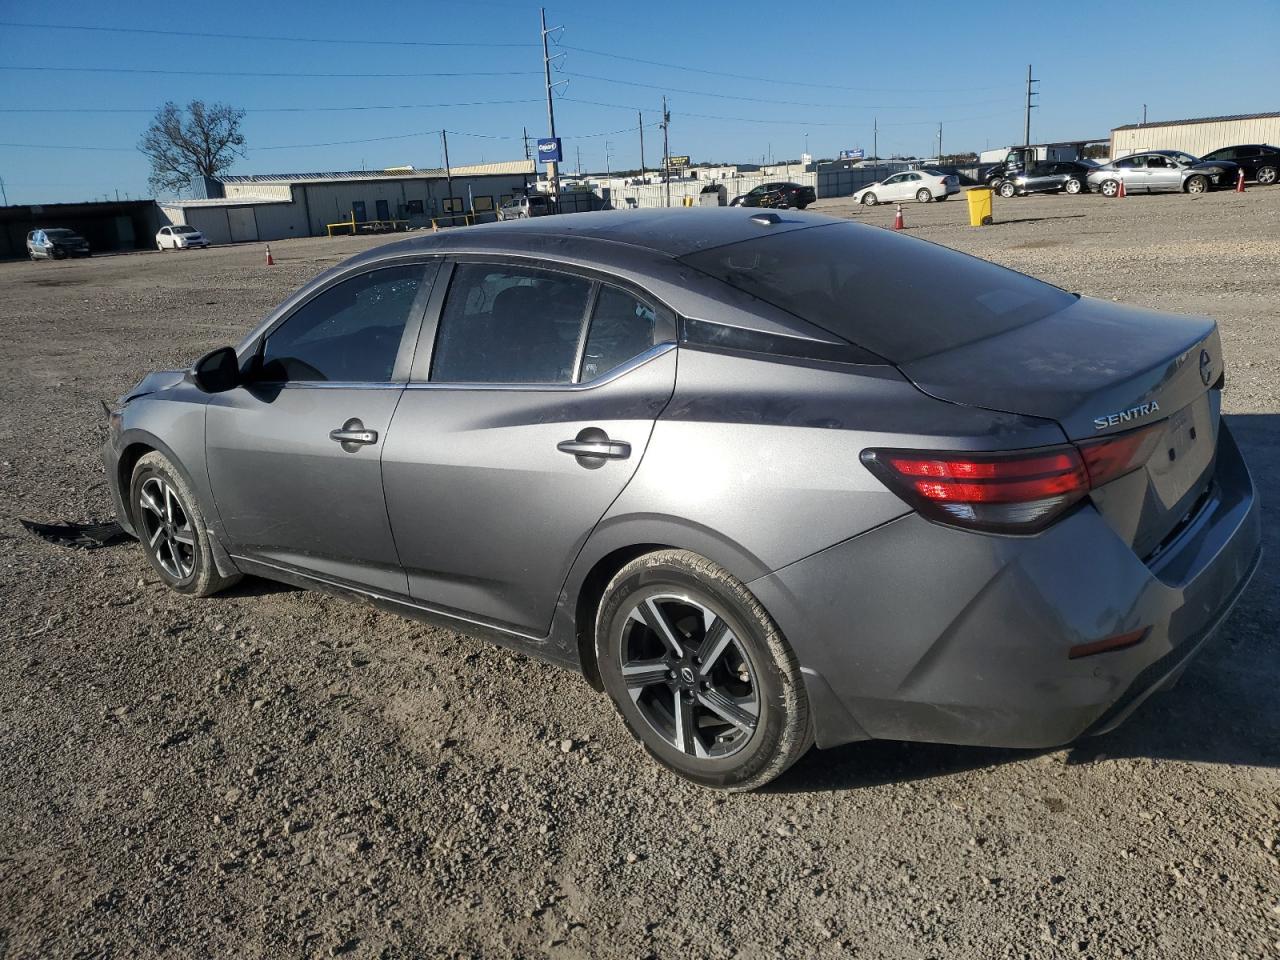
979, 206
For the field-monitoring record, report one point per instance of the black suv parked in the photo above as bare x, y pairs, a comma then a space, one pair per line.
777, 195
1260, 162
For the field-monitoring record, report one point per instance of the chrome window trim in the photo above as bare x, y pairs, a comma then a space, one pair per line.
640, 359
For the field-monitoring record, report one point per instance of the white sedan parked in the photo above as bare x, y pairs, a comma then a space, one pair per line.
180, 237
921, 185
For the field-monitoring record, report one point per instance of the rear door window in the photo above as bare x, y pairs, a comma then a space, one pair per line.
622, 328
509, 324
888, 294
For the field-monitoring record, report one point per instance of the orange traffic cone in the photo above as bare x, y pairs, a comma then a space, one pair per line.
1120, 193
1240, 181
270, 260
897, 219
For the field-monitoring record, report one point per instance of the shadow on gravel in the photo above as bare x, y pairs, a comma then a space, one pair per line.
1223, 709
1066, 216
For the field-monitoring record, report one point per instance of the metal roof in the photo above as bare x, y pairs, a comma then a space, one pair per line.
1183, 123
223, 201
507, 167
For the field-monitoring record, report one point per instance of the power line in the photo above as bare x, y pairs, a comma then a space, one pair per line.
785, 103
363, 107
345, 41
256, 73
777, 80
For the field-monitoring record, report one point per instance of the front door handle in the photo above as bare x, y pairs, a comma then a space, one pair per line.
593, 447
352, 435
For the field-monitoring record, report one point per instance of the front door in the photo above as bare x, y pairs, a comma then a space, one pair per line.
1163, 174
294, 456
504, 456
357, 211
384, 212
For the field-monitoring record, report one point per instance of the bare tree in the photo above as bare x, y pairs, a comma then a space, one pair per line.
203, 141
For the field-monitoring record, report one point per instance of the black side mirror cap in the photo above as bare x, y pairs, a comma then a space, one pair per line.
217, 371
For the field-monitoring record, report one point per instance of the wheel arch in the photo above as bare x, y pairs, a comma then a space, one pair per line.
614, 544
136, 444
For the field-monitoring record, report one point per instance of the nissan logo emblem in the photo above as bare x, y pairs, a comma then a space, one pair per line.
1206, 367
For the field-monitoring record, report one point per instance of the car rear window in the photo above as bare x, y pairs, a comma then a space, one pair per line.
892, 295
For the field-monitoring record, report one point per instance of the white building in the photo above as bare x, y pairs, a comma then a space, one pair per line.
1196, 137
261, 207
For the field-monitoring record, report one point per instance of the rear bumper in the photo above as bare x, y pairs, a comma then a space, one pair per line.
915, 631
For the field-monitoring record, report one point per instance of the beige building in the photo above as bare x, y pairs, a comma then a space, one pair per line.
1196, 137
262, 207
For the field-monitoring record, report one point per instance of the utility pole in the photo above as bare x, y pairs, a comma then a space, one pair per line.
553, 168
666, 148
607, 147
524, 135
939, 141
875, 140
448, 175
1026, 130
3, 193
579, 150
1144, 114
640, 123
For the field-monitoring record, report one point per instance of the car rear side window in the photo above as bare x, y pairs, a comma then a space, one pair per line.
622, 327
509, 324
892, 295
350, 333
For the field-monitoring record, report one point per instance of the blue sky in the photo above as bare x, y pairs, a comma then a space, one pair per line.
826, 70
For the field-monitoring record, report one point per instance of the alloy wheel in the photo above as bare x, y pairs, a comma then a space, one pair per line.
166, 528
1266, 176
1072, 186
689, 676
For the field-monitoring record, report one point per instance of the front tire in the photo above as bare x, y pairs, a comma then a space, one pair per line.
1266, 176
1197, 184
870, 199
172, 530
700, 673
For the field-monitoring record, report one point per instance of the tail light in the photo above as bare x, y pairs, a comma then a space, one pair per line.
1018, 491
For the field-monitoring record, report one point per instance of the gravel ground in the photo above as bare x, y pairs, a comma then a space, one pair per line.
272, 773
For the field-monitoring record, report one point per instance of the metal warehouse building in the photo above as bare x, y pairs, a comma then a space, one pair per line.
277, 206
1196, 136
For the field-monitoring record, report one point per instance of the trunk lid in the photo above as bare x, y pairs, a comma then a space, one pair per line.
1099, 368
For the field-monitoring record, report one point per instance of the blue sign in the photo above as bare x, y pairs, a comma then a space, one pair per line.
852, 154
549, 150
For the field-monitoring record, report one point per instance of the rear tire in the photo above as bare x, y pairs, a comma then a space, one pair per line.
700, 673
1007, 189
1109, 188
1266, 176
1073, 186
172, 530
924, 196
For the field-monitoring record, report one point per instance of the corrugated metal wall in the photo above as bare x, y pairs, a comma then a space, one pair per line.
1195, 138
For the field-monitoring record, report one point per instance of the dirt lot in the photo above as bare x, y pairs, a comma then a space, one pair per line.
273, 773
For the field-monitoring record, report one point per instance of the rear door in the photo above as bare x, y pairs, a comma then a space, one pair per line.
531, 404
294, 455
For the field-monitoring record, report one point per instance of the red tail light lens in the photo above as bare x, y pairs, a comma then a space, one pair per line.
1108, 458
1016, 492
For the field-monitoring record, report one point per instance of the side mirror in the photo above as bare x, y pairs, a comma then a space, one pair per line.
217, 371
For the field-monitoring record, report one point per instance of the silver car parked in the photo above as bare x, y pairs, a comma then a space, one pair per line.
1159, 171
744, 471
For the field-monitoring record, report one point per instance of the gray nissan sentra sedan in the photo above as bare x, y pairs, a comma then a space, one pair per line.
767, 480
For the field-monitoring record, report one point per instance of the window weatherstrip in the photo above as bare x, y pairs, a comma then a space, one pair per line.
584, 331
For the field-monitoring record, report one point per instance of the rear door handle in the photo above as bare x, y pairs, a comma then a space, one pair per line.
609, 449
352, 435
593, 447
